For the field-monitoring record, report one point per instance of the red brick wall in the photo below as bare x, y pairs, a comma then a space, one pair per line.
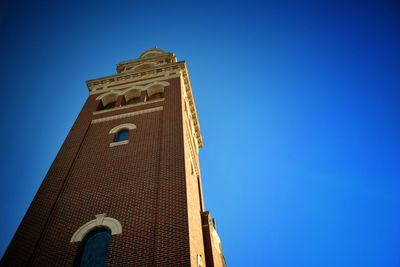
141, 184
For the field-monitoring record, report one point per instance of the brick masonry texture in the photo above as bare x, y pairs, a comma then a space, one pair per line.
142, 184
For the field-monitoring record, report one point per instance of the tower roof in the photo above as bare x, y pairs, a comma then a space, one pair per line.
152, 52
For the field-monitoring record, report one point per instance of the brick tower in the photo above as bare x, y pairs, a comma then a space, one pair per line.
125, 187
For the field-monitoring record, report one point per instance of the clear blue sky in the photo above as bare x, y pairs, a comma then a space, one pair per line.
299, 105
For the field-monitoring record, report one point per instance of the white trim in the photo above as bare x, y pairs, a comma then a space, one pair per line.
128, 106
100, 97
162, 83
132, 88
119, 143
126, 115
104, 88
131, 93
108, 98
137, 67
158, 73
129, 126
101, 220
156, 87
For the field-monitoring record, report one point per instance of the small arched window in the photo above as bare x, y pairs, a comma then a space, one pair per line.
156, 96
155, 91
107, 101
110, 105
134, 100
132, 96
121, 135
94, 248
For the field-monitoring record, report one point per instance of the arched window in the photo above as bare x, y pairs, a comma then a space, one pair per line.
121, 135
132, 96
110, 105
156, 96
133, 100
107, 101
155, 91
144, 66
94, 248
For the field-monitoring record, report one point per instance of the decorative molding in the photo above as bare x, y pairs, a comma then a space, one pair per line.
131, 93
139, 66
160, 71
162, 83
132, 87
129, 126
108, 98
154, 89
128, 106
110, 93
127, 115
188, 90
101, 220
132, 83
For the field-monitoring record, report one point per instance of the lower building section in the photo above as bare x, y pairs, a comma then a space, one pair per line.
212, 242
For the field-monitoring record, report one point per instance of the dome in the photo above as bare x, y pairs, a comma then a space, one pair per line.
153, 52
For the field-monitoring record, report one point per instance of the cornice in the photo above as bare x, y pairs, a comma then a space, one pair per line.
192, 105
103, 83
146, 60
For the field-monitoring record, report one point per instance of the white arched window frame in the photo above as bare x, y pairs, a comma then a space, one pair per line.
155, 88
116, 129
132, 93
108, 98
100, 221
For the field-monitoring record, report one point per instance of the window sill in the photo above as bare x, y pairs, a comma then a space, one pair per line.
119, 143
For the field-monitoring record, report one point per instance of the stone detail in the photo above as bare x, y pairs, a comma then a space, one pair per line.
129, 88
119, 143
192, 106
108, 98
101, 220
123, 79
128, 106
126, 115
129, 126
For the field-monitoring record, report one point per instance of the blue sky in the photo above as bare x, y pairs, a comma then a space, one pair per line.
298, 104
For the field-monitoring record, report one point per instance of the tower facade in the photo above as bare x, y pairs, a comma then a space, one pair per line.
125, 187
